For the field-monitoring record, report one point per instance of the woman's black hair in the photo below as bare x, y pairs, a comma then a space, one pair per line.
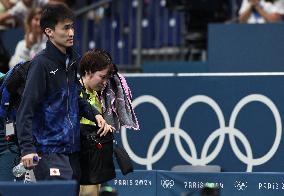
96, 60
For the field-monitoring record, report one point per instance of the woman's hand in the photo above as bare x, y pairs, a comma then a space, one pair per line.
107, 128
30, 40
104, 128
254, 2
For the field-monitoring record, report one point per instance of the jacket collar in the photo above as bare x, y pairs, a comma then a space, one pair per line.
58, 57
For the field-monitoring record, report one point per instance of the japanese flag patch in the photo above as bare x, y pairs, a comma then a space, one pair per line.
54, 172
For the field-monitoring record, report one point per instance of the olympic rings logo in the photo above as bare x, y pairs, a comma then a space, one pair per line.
167, 184
219, 133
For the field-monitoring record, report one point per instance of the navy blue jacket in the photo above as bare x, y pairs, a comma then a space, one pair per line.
48, 116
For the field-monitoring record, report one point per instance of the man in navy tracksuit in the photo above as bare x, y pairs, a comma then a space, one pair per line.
48, 116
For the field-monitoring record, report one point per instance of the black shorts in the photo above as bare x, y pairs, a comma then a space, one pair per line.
96, 161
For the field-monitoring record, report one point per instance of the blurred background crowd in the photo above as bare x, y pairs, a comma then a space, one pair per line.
132, 31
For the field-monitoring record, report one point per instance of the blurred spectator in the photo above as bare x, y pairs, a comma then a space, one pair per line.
97, 14
16, 14
34, 40
20, 9
6, 4
261, 11
4, 57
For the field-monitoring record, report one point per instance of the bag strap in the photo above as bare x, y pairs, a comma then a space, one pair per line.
85, 95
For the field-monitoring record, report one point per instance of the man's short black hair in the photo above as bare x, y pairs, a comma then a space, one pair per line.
54, 13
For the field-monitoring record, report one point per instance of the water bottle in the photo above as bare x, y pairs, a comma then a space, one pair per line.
19, 169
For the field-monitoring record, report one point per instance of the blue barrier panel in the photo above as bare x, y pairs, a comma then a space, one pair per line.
231, 120
233, 184
167, 183
44, 188
139, 183
175, 66
245, 47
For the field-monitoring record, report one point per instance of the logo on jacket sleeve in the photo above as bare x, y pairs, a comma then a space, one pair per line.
53, 72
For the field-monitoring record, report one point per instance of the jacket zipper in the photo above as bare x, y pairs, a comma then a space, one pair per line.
68, 93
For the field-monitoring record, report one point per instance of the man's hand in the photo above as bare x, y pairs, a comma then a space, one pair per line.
104, 127
28, 161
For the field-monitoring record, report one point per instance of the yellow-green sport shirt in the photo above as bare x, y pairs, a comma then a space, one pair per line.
94, 101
